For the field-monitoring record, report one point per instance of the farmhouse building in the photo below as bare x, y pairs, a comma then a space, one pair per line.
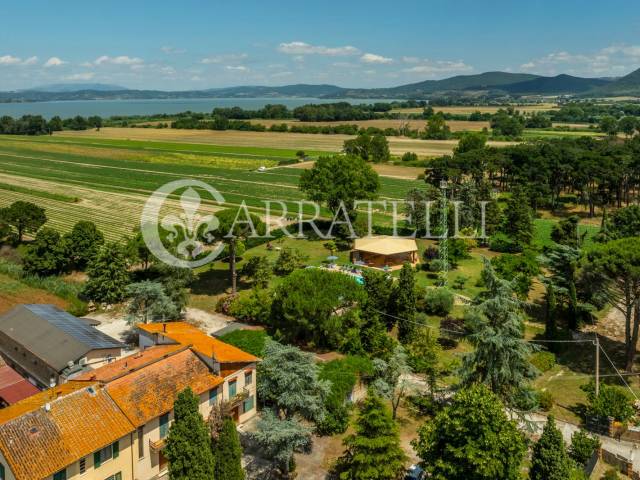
136, 394
46, 344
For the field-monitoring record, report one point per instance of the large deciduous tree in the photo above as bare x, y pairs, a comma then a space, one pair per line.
25, 217
108, 275
82, 243
337, 179
518, 220
188, 448
45, 256
471, 439
373, 452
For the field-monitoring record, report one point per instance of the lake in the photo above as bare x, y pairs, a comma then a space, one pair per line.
108, 108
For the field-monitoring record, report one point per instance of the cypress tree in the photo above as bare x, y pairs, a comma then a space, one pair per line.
405, 303
188, 447
549, 460
518, 222
373, 452
228, 453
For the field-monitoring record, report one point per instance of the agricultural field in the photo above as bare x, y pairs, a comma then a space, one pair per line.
111, 180
468, 109
263, 141
454, 125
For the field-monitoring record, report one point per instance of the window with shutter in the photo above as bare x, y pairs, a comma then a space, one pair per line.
164, 425
233, 389
61, 475
116, 449
83, 465
2, 473
96, 460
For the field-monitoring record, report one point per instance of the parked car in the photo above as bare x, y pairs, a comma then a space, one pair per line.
415, 472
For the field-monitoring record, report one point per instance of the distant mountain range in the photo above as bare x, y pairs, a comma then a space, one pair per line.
76, 87
493, 84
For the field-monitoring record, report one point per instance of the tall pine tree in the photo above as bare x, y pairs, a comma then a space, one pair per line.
518, 221
188, 447
500, 358
228, 452
404, 296
108, 274
373, 452
549, 460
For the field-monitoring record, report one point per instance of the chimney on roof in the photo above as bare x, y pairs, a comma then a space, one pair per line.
47, 407
164, 328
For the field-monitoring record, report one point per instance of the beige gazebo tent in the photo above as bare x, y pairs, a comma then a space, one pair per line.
380, 252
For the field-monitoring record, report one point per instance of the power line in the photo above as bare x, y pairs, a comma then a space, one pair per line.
616, 370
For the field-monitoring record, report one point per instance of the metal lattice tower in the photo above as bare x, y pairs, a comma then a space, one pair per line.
443, 247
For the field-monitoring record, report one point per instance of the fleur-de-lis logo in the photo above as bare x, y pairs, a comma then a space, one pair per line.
189, 227
186, 233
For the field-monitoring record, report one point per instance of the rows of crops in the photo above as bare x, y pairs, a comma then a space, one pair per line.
122, 186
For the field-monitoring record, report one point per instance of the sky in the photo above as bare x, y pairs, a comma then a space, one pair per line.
190, 44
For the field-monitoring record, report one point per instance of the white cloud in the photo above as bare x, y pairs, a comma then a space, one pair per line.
611, 60
120, 60
410, 59
80, 76
236, 68
223, 58
30, 61
302, 48
373, 58
54, 62
10, 60
428, 67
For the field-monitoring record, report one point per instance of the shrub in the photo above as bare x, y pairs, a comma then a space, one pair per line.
409, 157
459, 282
253, 308
436, 265
543, 361
582, 447
545, 400
612, 401
438, 301
289, 260
504, 244
611, 474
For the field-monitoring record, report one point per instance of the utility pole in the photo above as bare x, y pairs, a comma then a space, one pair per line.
597, 343
443, 247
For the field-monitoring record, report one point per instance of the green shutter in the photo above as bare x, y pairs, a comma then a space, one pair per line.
96, 459
2, 473
118, 476
116, 449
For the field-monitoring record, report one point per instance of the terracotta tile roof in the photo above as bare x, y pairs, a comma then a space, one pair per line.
129, 364
82, 419
149, 392
187, 334
13, 387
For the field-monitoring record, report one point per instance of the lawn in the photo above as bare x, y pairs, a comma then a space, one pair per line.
14, 292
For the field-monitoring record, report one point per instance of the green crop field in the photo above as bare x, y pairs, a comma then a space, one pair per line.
113, 179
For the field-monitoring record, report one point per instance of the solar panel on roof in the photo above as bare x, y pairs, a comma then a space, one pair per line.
74, 327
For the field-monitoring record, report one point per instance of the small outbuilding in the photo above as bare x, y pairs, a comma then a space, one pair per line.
384, 251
